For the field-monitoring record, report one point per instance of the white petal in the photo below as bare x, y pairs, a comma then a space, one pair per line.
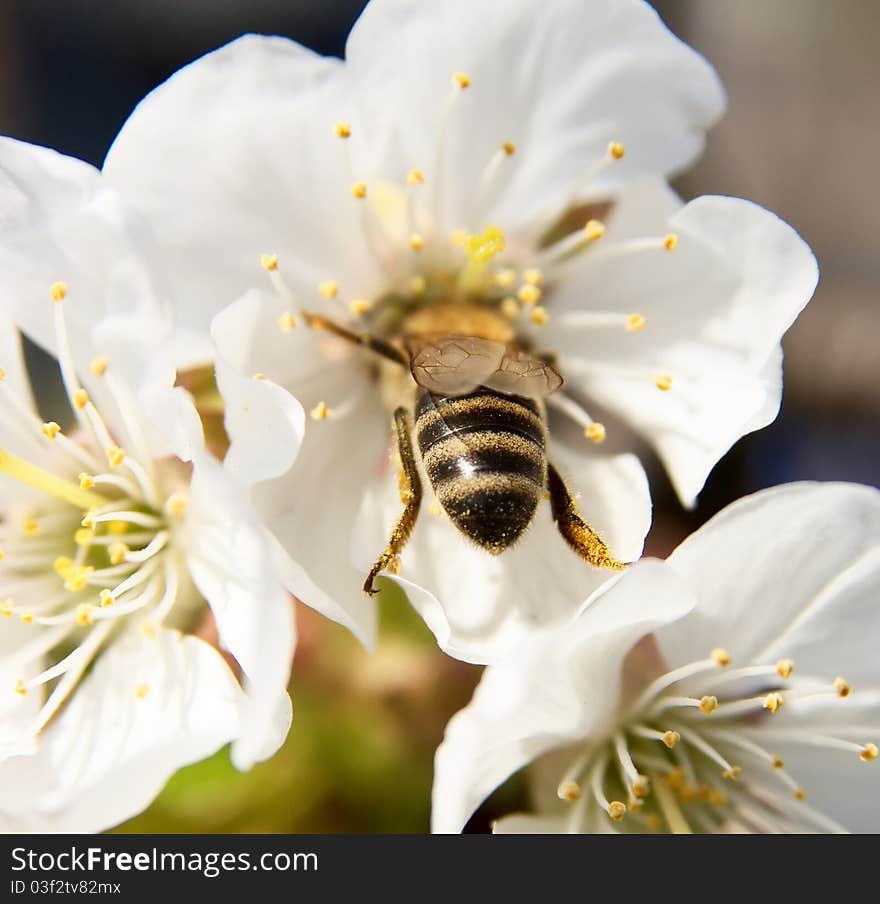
12, 362
149, 707
560, 84
562, 685
716, 309
257, 169
779, 574
231, 563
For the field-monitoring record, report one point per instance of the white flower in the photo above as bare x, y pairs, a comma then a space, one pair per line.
116, 534
478, 152
732, 688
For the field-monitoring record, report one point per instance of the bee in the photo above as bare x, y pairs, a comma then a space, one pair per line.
478, 419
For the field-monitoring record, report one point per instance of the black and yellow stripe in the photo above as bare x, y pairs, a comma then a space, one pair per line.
485, 455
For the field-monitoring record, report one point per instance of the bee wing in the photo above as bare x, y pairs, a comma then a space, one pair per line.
455, 365
520, 373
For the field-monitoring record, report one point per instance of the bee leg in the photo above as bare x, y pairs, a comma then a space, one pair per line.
579, 536
411, 497
373, 343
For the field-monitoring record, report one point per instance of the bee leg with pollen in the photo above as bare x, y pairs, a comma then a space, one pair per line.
575, 531
373, 343
410, 496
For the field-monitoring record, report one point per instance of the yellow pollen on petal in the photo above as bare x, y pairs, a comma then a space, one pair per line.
616, 810
868, 753
269, 262
50, 429
663, 382
594, 230
510, 308
569, 790
635, 323
418, 285
141, 691
359, 190
616, 150
778, 762
359, 306
733, 774
286, 322
80, 399
773, 701
539, 316
99, 365
342, 129
58, 291
320, 412
416, 242
115, 456
27, 617
595, 432
670, 241
118, 552
107, 598
533, 276
670, 738
529, 294
841, 685
329, 288
176, 505
83, 536
784, 668
461, 80
508, 147
481, 248
20, 689
708, 704
84, 614
720, 657
31, 527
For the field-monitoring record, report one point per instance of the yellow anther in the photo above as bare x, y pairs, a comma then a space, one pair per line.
62, 565
799, 794
359, 306
482, 248
732, 774
416, 242
569, 790
78, 578
529, 294
458, 237
83, 536
652, 821
88, 520
461, 79
784, 668
641, 786
670, 241
773, 701
777, 763
115, 456
635, 323
50, 429
58, 291
616, 810
141, 691
418, 285
117, 527
269, 261
107, 598
595, 432
329, 288
841, 685
84, 614
118, 552
508, 147
510, 308
286, 322
675, 779
539, 316
2, 375
708, 704
415, 177
6, 608
717, 798
99, 365
320, 412
342, 129
663, 382
31, 527
259, 375
20, 689
359, 190
720, 657
634, 805
868, 753
616, 150
27, 617
533, 276
80, 399
593, 230
176, 505
505, 278
670, 738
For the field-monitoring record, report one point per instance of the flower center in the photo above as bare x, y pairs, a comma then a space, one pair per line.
683, 763
93, 548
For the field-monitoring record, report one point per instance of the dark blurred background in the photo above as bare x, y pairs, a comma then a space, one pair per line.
801, 137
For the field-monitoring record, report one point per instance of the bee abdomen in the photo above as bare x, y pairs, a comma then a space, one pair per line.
484, 454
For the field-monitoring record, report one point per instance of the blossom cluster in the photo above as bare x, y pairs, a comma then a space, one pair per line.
455, 255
